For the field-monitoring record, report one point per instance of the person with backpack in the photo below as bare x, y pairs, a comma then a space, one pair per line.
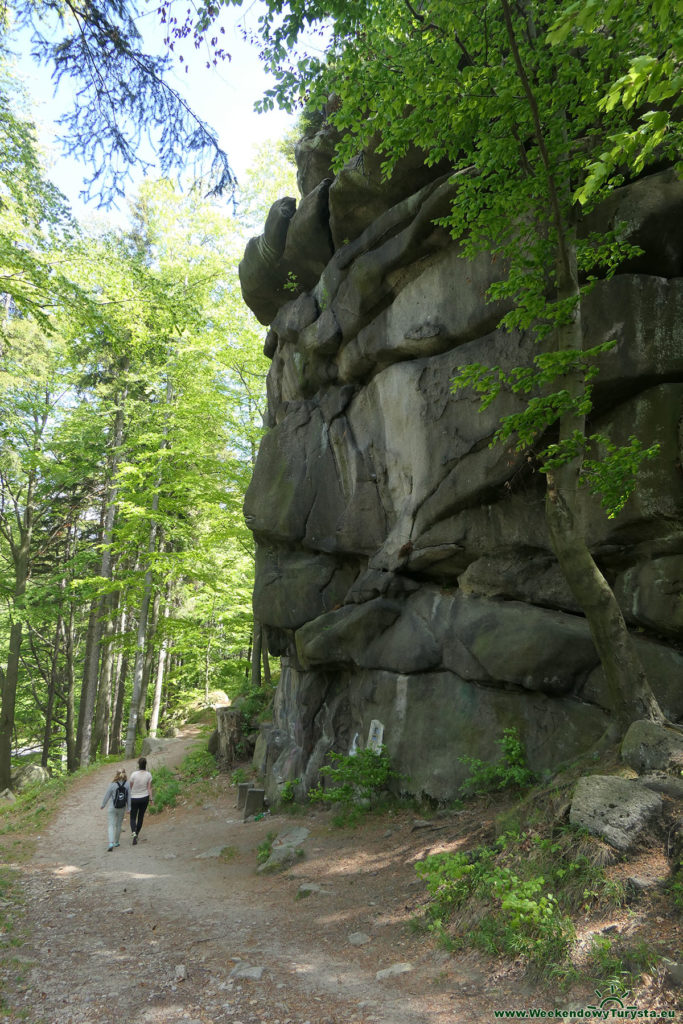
140, 796
119, 794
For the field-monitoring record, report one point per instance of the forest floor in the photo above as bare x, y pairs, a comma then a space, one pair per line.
173, 930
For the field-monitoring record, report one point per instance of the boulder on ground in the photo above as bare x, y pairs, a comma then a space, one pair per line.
286, 849
616, 809
649, 747
29, 775
152, 745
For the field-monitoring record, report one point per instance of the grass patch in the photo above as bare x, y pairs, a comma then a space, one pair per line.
516, 898
620, 961
264, 849
196, 769
29, 814
10, 900
199, 764
228, 853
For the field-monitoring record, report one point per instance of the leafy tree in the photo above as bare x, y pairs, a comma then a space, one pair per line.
34, 222
535, 106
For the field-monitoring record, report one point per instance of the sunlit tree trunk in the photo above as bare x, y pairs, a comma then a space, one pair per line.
121, 670
162, 663
91, 672
148, 663
20, 549
52, 691
100, 739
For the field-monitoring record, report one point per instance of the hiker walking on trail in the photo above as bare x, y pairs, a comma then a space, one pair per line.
140, 796
119, 794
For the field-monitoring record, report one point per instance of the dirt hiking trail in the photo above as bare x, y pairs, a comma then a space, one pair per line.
170, 931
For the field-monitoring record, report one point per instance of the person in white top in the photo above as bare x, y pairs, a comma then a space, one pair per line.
140, 797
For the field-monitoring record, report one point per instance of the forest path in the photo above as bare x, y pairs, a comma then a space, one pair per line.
152, 933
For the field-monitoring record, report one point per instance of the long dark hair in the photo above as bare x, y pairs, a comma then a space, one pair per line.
142, 763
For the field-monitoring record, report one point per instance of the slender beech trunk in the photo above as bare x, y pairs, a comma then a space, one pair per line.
115, 743
70, 698
162, 660
266, 662
100, 738
20, 555
630, 693
148, 662
91, 671
169, 669
131, 731
144, 606
256, 654
92, 652
52, 691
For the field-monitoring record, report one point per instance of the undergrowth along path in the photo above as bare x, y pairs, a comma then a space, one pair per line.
182, 928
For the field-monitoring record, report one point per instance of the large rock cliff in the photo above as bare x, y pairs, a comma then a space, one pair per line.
404, 571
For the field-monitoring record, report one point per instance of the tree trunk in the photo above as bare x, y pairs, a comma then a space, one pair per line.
630, 693
161, 669
138, 668
70, 699
115, 744
100, 738
91, 672
631, 696
256, 654
88, 685
51, 692
148, 663
266, 662
10, 681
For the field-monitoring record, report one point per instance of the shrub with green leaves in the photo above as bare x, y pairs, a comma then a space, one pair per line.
506, 912
287, 792
166, 789
510, 772
355, 781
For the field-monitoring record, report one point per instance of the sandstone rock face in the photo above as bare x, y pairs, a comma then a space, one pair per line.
404, 571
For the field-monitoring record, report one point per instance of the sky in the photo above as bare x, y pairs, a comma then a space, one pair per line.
224, 97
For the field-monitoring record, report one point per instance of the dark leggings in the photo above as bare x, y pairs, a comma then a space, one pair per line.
137, 813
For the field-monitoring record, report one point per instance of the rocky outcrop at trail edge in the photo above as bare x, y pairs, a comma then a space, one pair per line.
404, 571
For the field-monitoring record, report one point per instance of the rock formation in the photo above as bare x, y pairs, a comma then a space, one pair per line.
404, 571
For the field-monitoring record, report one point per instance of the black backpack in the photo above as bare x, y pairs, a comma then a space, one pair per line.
120, 796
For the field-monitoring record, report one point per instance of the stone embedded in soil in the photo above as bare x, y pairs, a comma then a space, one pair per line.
393, 971
243, 970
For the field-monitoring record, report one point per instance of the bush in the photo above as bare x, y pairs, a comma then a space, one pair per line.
356, 780
199, 764
506, 912
166, 790
287, 791
511, 772
254, 701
